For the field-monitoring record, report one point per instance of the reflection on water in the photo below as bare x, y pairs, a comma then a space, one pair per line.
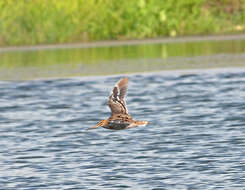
195, 139
111, 60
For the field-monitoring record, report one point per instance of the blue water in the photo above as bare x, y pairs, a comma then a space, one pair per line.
196, 139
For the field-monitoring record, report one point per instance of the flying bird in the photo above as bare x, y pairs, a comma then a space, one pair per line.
120, 118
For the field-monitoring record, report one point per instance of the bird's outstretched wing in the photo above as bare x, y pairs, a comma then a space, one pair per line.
116, 100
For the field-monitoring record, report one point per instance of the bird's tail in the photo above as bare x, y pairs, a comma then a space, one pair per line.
143, 123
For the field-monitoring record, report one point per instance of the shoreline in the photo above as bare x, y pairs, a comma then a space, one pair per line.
116, 43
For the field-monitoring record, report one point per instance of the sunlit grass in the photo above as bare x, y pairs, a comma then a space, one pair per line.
58, 21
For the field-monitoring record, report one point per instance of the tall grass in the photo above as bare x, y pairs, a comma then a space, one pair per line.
58, 21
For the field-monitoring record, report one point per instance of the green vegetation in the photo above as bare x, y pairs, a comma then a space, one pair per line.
31, 22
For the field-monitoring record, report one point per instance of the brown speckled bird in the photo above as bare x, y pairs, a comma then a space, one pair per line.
119, 119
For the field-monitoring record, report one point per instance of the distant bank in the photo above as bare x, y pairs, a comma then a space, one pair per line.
115, 43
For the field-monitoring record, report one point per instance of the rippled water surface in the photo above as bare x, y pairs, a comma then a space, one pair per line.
196, 139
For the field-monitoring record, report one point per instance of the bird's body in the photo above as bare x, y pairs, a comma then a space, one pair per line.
120, 118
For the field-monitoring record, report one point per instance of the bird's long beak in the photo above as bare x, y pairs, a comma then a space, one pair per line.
94, 127
100, 124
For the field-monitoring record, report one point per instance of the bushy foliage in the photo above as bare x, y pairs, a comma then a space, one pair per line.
60, 21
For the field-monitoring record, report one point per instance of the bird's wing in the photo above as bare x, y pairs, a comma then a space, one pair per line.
116, 100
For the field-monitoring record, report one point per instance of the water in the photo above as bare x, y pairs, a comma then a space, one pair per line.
196, 139
41, 63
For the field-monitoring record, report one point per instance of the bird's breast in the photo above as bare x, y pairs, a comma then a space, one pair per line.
117, 124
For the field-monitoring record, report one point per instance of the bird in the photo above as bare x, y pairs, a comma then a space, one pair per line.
120, 118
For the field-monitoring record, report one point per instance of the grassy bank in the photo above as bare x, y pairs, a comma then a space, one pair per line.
29, 22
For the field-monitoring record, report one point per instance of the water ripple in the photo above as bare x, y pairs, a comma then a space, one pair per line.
195, 139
